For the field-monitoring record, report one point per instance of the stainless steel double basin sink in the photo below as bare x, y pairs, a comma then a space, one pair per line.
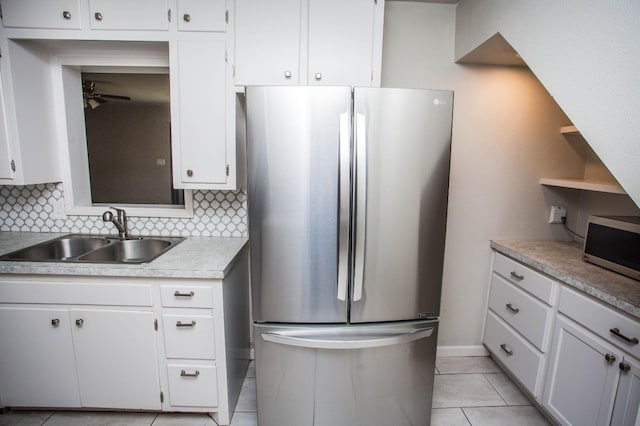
95, 249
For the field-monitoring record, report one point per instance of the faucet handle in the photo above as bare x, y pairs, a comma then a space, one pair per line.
107, 216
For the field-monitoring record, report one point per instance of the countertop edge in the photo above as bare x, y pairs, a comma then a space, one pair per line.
202, 258
597, 290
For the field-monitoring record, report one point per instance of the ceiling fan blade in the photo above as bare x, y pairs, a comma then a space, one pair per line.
105, 96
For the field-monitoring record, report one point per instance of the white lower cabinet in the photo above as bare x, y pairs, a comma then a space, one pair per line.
582, 378
576, 357
122, 344
61, 357
156, 344
37, 364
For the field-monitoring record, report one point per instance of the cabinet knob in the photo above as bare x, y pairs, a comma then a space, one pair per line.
624, 367
190, 173
55, 322
66, 14
98, 16
186, 17
287, 74
79, 322
318, 76
610, 358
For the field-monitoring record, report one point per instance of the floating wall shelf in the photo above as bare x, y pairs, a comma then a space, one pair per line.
608, 186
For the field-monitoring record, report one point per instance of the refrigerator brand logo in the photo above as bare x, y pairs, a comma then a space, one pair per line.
437, 102
425, 314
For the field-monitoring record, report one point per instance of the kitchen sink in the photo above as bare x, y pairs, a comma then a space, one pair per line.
95, 249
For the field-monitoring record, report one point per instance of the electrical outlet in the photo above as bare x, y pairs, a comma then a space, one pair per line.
556, 214
58, 210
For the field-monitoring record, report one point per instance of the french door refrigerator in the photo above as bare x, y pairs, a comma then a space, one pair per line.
347, 197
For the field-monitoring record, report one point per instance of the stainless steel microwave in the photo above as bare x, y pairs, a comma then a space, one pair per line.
613, 242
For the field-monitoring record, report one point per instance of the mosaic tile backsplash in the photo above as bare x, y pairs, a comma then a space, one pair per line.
215, 214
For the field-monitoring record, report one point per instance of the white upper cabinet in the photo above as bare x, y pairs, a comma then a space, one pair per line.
28, 152
54, 14
201, 15
129, 15
340, 42
300, 42
267, 42
203, 139
5, 152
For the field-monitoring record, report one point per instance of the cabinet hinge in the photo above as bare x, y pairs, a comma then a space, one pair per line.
169, 15
155, 324
13, 166
226, 56
227, 170
226, 16
233, 71
161, 397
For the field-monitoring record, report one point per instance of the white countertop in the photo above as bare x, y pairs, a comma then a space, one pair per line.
563, 261
195, 257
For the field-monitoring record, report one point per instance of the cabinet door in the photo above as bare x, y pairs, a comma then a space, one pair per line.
201, 113
5, 151
267, 42
625, 410
201, 15
129, 15
37, 366
341, 42
116, 359
582, 377
58, 14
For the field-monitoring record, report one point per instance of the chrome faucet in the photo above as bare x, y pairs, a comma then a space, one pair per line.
120, 222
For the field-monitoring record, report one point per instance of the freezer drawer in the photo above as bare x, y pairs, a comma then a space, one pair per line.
345, 375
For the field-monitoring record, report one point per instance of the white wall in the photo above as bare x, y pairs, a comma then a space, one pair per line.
505, 137
587, 54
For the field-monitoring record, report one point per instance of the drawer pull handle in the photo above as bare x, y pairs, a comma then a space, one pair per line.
55, 322
188, 324
506, 349
185, 374
632, 340
512, 308
610, 358
625, 367
517, 276
178, 294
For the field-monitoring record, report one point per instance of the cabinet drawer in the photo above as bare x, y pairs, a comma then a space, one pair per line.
129, 15
601, 320
54, 14
524, 362
80, 293
527, 279
189, 336
176, 296
193, 385
527, 315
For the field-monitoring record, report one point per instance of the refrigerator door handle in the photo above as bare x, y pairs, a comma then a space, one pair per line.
344, 209
342, 341
361, 205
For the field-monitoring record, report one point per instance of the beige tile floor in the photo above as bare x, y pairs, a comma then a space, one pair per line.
468, 391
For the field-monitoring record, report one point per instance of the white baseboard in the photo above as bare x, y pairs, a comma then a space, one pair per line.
474, 350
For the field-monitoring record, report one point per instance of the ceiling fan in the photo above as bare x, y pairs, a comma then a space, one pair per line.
93, 99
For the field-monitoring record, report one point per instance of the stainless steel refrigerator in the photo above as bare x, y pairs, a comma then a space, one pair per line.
347, 198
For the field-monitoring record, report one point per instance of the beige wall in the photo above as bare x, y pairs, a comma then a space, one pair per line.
586, 53
505, 137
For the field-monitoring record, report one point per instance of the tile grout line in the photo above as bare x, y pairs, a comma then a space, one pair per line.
495, 389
